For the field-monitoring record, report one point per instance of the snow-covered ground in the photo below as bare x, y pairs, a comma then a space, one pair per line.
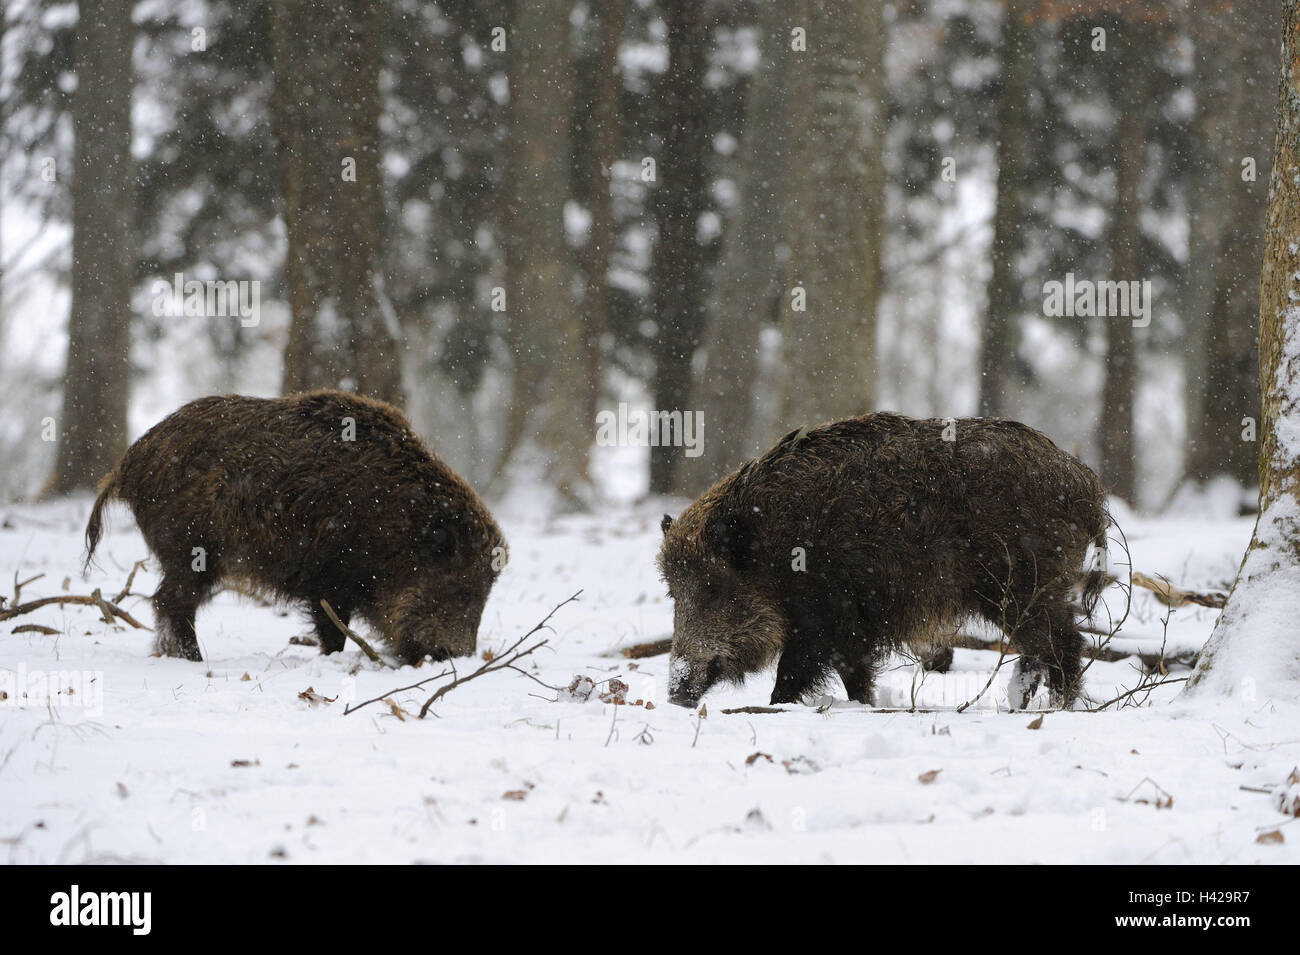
227, 761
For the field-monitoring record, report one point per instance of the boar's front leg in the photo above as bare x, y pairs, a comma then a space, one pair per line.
797, 673
330, 637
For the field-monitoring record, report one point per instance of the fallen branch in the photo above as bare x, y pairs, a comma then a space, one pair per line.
94, 600
349, 632
1172, 596
652, 649
506, 660
755, 709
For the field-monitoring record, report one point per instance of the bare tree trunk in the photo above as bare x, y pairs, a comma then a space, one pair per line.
998, 341
545, 333
1118, 464
604, 112
750, 280
325, 107
677, 273
1223, 359
96, 383
1254, 651
836, 210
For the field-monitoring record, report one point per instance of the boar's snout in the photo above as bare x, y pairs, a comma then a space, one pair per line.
688, 681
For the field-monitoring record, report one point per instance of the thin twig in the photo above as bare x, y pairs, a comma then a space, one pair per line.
401, 689
130, 579
1143, 687
506, 660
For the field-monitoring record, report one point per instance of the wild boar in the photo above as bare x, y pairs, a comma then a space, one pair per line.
323, 495
849, 540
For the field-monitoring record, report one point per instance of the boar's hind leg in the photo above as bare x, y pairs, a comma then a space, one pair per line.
331, 638
1049, 641
175, 604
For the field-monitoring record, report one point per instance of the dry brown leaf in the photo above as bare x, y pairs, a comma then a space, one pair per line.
516, 795
799, 765
312, 697
245, 678
1036, 724
926, 778
753, 758
616, 692
1273, 837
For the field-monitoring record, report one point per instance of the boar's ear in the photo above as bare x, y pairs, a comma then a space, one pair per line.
666, 523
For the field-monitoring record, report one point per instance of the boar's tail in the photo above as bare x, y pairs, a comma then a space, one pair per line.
1098, 575
108, 489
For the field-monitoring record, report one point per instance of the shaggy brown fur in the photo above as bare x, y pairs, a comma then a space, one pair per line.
904, 535
268, 493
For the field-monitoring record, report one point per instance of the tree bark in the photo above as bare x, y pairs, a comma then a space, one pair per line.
96, 383
1254, 652
999, 339
325, 108
1223, 362
835, 213
749, 280
1118, 464
547, 336
605, 118
677, 272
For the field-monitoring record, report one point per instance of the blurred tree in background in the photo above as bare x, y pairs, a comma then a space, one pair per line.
505, 264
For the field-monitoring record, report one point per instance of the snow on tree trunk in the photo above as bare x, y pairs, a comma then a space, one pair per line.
1254, 651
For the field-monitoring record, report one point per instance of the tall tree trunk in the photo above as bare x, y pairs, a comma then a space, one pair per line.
750, 279
677, 273
1254, 651
835, 212
1223, 359
547, 336
1118, 464
998, 341
96, 383
325, 107
604, 113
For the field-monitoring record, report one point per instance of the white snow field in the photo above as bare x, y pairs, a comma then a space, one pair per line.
163, 760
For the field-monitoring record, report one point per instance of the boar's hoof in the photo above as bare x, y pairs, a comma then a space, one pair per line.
1026, 677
